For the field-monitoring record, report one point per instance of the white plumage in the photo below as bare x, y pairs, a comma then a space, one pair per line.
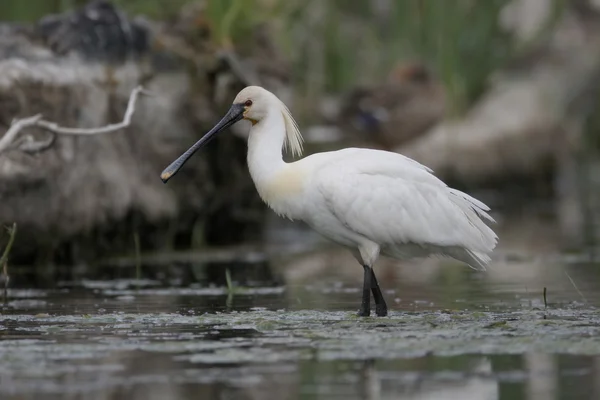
397, 204
372, 201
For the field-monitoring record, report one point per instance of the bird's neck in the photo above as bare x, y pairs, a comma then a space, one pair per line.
278, 183
265, 143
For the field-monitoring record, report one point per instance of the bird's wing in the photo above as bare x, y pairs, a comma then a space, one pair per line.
392, 199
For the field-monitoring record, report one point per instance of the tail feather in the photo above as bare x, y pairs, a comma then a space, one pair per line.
475, 259
479, 207
484, 239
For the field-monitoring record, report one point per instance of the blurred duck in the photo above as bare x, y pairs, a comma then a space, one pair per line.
396, 111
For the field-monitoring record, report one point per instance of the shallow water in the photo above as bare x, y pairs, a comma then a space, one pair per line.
288, 328
452, 333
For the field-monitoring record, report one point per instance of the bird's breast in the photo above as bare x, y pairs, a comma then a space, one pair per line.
283, 192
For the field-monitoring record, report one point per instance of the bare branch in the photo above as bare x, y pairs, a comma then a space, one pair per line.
53, 127
37, 121
32, 146
15, 128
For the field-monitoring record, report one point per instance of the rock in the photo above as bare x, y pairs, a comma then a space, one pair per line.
86, 196
530, 123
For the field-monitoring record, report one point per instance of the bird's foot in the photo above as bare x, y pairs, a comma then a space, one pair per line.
364, 312
381, 310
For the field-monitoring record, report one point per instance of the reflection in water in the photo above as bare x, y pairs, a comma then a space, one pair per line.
542, 384
102, 344
453, 333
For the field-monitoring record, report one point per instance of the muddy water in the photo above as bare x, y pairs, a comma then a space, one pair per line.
452, 333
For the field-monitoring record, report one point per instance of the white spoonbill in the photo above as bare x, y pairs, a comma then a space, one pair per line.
371, 201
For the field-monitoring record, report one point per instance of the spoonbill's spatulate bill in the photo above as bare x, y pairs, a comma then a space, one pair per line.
371, 201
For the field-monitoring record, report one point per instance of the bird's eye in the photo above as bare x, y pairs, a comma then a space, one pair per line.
248, 103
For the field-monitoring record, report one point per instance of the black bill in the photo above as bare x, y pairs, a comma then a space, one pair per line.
235, 113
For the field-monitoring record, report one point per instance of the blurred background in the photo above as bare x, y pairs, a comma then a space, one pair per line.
499, 97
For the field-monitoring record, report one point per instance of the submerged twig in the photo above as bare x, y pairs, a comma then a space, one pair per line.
6, 281
4, 259
11, 239
36, 121
545, 301
138, 258
575, 286
230, 288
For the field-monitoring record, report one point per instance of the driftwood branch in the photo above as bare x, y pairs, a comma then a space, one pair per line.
18, 125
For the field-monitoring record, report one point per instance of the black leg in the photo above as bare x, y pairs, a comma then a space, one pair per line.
365, 305
380, 306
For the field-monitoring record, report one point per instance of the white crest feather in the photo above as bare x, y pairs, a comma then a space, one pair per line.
293, 137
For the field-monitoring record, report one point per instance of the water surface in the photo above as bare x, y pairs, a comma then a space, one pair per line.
287, 329
461, 334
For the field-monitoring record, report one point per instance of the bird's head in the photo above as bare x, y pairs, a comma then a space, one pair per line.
251, 103
256, 103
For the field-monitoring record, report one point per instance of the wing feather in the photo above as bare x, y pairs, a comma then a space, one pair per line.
393, 200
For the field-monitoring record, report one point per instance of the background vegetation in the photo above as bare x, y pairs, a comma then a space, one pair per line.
462, 40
